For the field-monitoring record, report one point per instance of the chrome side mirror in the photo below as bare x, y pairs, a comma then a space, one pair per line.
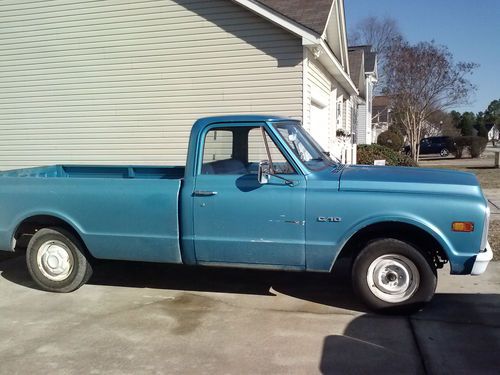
263, 173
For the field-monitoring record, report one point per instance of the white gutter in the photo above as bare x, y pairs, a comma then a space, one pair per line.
328, 59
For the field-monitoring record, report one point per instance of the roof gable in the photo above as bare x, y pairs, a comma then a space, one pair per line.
356, 67
370, 57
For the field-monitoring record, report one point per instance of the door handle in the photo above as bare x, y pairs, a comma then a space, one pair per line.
201, 193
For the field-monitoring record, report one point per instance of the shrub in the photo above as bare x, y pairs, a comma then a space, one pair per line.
367, 154
460, 146
477, 146
390, 139
474, 145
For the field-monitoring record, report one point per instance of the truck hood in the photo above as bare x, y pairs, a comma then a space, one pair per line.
410, 180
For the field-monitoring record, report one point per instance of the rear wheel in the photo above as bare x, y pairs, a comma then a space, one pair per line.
392, 275
444, 152
56, 260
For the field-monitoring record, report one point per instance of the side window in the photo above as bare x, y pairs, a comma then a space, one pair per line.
218, 145
257, 152
218, 154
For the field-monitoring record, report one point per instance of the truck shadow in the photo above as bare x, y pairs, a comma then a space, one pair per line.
325, 289
456, 333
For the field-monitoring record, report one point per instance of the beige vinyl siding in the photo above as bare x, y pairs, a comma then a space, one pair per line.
123, 81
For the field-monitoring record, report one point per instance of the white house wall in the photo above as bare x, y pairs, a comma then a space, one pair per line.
322, 90
318, 93
361, 136
122, 82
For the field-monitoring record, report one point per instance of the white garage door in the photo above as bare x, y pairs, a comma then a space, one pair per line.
319, 125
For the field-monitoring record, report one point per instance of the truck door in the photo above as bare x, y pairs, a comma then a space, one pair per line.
236, 219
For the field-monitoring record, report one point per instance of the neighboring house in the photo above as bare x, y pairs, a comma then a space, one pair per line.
363, 69
381, 116
114, 82
493, 132
490, 128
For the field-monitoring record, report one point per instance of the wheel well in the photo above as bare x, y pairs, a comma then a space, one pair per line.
419, 238
31, 225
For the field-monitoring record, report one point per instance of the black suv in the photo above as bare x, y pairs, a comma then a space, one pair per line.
435, 145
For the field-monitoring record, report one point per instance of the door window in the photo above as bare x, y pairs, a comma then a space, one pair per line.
238, 151
218, 156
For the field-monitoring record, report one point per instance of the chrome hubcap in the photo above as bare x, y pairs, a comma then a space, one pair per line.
55, 260
393, 278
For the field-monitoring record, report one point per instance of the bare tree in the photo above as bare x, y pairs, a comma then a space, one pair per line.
381, 34
423, 79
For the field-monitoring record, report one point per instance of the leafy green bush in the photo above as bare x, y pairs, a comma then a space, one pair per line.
474, 145
391, 140
367, 154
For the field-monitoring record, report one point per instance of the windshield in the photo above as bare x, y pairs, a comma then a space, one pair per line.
304, 146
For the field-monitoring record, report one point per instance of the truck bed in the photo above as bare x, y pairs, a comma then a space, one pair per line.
120, 212
91, 171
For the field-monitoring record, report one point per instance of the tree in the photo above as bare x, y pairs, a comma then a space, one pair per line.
381, 34
481, 125
423, 79
440, 123
455, 118
466, 123
492, 113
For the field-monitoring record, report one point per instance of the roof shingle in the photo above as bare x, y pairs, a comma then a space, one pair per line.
312, 14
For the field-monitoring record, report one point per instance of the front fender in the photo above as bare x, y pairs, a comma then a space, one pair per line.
418, 222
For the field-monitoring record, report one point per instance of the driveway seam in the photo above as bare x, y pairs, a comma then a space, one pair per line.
493, 204
417, 344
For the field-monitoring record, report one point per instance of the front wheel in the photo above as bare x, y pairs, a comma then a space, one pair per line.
56, 260
444, 152
392, 275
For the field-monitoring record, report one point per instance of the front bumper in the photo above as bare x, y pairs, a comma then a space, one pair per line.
482, 260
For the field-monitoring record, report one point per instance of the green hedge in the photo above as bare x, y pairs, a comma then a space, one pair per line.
367, 154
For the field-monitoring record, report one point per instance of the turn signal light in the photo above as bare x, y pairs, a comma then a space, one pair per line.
462, 226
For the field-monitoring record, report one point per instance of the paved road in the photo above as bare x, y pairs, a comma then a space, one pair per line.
135, 318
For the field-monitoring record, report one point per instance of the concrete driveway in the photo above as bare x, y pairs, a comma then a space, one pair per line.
137, 318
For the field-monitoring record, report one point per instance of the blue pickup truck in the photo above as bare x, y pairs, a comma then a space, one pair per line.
256, 192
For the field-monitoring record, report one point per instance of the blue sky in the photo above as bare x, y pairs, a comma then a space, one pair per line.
470, 29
